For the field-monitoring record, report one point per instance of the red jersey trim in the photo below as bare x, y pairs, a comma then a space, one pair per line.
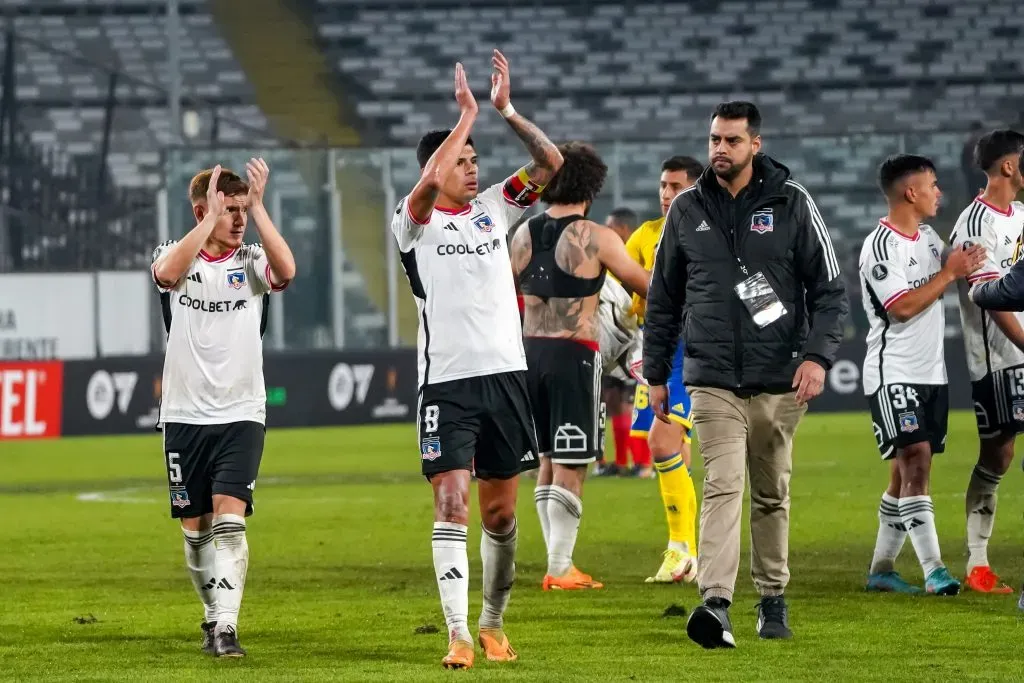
978, 277
894, 298
462, 211
1007, 213
270, 281
412, 216
889, 225
216, 259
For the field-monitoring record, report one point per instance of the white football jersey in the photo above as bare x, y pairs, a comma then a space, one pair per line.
460, 273
988, 349
213, 365
891, 266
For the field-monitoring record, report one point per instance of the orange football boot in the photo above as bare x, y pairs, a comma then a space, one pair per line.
983, 580
496, 646
573, 580
460, 655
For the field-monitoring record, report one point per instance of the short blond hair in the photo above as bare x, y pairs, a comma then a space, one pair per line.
230, 183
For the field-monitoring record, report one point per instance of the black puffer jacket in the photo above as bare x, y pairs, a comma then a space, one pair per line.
774, 227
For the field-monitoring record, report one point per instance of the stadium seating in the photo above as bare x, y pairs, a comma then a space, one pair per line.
65, 55
836, 88
843, 84
654, 69
64, 64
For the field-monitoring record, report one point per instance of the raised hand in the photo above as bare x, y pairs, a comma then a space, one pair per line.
500, 86
214, 198
258, 172
463, 95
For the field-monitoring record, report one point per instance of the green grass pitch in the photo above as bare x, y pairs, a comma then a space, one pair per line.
340, 576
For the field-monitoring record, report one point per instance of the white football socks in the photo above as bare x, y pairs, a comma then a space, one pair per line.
541, 497
451, 567
918, 516
981, 514
564, 513
498, 555
230, 565
891, 536
199, 558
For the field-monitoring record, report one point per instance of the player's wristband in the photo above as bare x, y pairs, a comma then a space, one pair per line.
508, 111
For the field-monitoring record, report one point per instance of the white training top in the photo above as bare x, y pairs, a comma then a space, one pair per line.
460, 273
988, 349
213, 365
891, 266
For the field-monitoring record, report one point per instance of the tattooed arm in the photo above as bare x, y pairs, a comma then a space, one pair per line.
546, 157
569, 317
520, 249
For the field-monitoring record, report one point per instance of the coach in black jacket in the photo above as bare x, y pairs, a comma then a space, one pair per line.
747, 276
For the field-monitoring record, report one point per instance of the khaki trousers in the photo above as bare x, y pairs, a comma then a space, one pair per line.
736, 434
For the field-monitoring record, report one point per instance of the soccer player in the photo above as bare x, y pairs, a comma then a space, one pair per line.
994, 341
669, 444
561, 258
902, 280
623, 222
473, 406
215, 296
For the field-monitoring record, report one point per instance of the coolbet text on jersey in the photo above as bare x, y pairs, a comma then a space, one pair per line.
214, 317
459, 272
891, 266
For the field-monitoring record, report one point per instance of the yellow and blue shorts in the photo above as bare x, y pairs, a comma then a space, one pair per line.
678, 401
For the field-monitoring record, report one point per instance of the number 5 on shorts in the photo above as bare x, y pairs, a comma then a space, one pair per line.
173, 468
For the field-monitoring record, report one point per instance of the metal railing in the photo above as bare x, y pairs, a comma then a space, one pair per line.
335, 205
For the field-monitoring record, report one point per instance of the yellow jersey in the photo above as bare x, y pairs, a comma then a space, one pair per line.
642, 246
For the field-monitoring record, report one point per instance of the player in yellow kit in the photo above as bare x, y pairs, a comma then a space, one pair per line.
669, 443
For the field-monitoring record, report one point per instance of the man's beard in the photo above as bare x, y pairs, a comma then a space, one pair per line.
730, 174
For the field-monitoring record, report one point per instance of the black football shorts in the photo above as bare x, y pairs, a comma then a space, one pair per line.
207, 460
479, 422
564, 378
906, 414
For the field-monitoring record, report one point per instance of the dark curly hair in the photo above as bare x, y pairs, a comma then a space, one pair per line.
581, 177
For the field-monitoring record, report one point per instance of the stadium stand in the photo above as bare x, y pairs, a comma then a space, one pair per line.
837, 88
838, 91
66, 55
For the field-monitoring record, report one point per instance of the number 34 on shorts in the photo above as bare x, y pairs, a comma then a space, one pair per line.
907, 414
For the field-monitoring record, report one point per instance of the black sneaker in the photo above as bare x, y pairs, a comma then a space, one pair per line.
709, 625
208, 627
225, 644
773, 618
